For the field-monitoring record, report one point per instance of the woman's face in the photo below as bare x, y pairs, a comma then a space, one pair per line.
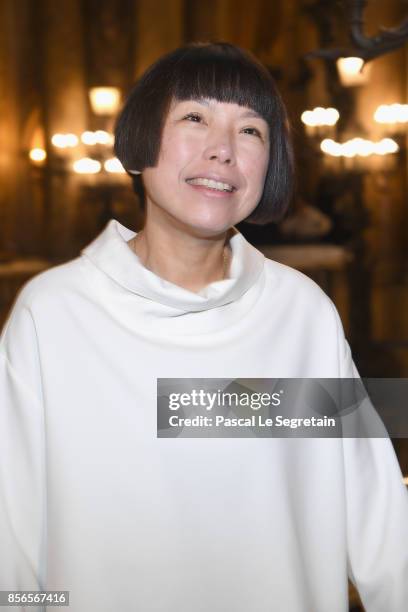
212, 165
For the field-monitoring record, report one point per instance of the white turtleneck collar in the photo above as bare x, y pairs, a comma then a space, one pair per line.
111, 254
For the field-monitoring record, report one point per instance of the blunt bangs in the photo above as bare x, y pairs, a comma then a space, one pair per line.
219, 71
224, 75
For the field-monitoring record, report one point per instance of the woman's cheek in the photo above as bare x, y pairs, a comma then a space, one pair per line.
256, 171
194, 143
262, 166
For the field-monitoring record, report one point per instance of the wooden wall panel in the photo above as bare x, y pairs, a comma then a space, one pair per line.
159, 27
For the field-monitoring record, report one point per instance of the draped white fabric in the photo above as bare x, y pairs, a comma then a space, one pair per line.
91, 501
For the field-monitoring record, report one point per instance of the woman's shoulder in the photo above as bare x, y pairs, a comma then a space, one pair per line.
292, 281
40, 298
56, 280
299, 296
307, 307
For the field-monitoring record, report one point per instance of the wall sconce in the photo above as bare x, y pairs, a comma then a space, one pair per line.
114, 166
64, 141
99, 167
358, 148
101, 143
98, 137
105, 100
352, 71
37, 156
87, 165
393, 116
320, 121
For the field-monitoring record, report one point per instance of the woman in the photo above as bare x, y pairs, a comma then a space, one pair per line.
92, 500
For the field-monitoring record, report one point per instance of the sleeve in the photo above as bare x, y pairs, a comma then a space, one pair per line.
377, 515
22, 458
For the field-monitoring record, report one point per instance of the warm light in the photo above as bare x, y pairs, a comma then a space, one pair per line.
37, 155
365, 148
393, 113
114, 165
63, 141
331, 147
351, 65
359, 146
349, 148
320, 116
405, 480
386, 146
332, 116
308, 118
38, 138
351, 71
98, 137
88, 138
104, 100
103, 137
86, 165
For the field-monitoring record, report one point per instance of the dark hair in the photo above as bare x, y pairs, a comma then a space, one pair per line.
207, 70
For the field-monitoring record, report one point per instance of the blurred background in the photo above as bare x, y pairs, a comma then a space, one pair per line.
66, 67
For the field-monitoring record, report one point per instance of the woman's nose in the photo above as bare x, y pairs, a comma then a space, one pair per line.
220, 148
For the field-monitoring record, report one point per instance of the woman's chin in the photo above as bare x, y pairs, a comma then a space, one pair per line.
201, 219
209, 225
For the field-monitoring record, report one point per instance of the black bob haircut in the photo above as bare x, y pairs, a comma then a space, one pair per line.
220, 71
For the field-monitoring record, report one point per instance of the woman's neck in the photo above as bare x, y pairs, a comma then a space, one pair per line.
184, 259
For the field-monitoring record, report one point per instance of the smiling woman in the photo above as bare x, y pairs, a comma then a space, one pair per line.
210, 150
92, 499
202, 72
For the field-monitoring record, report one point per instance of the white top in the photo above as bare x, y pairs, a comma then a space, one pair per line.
91, 501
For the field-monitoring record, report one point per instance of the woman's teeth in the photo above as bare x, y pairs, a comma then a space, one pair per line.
211, 184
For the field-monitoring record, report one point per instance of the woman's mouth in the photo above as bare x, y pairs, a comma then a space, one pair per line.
211, 184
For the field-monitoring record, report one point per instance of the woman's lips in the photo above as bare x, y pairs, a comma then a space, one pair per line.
210, 192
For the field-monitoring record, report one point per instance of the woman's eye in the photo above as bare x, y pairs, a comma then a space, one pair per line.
193, 117
252, 131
